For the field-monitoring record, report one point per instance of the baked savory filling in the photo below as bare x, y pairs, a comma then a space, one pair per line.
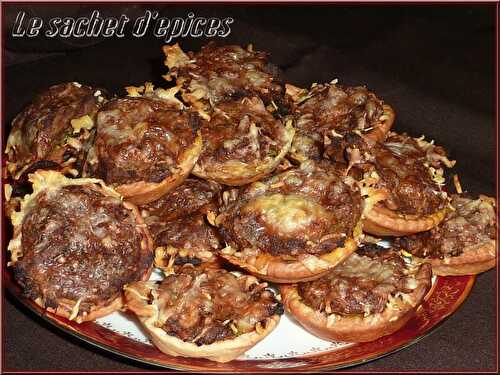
371, 294
145, 144
53, 132
189, 239
410, 170
242, 142
216, 74
361, 285
327, 112
301, 216
76, 244
204, 312
178, 224
194, 195
463, 243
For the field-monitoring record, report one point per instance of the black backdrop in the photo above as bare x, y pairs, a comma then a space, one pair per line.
434, 64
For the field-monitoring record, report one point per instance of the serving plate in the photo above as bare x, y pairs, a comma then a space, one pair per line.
288, 347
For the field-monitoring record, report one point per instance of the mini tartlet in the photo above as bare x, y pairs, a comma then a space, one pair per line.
193, 195
221, 73
54, 131
294, 226
464, 243
242, 143
177, 221
403, 181
226, 315
146, 144
373, 293
327, 112
76, 244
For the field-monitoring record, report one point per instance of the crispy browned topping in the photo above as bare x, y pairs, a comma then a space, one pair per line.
194, 195
228, 73
53, 128
205, 306
472, 223
330, 111
79, 245
409, 172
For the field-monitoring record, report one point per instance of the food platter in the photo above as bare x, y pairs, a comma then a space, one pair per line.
119, 333
287, 223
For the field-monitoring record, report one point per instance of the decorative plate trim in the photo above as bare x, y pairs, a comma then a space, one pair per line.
446, 296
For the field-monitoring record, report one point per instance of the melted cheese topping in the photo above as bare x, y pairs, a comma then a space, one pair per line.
286, 213
51, 181
363, 267
84, 122
148, 90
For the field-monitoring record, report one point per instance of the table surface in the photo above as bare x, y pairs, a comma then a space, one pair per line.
434, 65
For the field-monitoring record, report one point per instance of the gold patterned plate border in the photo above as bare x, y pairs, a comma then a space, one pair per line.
446, 295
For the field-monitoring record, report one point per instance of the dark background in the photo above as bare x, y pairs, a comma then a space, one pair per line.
434, 64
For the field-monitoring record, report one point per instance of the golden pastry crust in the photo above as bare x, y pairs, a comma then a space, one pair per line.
66, 308
381, 221
224, 351
146, 301
243, 143
294, 226
303, 268
473, 260
146, 144
41, 272
359, 327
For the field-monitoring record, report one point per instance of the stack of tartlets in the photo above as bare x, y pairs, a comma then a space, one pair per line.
228, 181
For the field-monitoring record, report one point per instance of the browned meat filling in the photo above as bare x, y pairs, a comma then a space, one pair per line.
410, 173
190, 234
229, 72
194, 195
54, 128
473, 222
243, 131
205, 306
301, 211
178, 220
330, 112
78, 244
362, 284
140, 139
